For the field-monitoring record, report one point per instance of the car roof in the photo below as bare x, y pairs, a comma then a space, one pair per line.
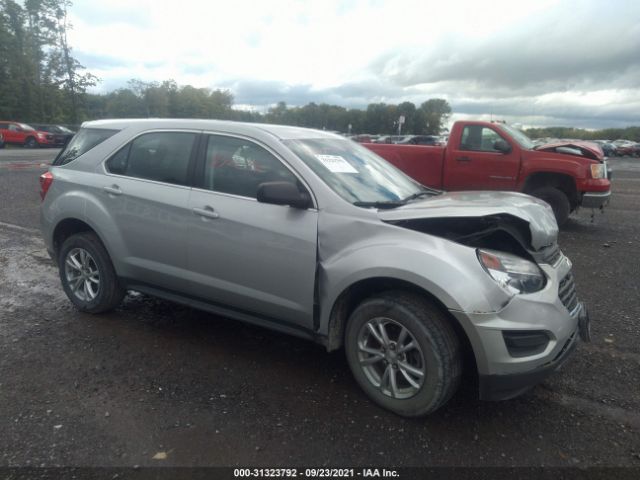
282, 132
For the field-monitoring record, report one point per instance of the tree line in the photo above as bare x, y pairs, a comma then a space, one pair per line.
40, 80
628, 133
167, 99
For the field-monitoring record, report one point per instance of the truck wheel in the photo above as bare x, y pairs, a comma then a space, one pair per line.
87, 274
403, 353
558, 201
31, 143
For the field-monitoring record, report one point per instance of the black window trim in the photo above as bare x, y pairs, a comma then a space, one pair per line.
201, 163
192, 159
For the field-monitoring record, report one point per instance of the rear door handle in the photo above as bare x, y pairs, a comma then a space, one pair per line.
463, 159
113, 190
206, 212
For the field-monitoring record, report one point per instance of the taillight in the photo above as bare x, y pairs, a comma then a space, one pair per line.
46, 179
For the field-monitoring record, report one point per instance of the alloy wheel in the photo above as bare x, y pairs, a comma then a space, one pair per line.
82, 274
391, 358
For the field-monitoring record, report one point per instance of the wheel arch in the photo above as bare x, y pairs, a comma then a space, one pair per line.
563, 182
71, 226
362, 289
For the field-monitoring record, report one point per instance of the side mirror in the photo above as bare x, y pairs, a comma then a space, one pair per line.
283, 193
501, 146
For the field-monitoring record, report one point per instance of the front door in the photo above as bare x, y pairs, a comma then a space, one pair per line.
474, 164
255, 257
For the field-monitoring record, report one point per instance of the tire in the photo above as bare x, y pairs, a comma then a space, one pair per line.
437, 354
31, 142
558, 201
87, 294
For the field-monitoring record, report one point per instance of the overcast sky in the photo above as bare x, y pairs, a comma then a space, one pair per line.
540, 62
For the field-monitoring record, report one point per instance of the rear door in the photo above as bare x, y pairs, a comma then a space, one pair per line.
254, 257
146, 191
474, 163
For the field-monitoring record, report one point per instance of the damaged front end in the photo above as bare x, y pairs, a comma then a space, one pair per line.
510, 222
502, 232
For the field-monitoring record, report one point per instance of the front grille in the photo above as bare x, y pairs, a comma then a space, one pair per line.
567, 292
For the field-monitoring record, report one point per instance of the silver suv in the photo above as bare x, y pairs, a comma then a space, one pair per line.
311, 234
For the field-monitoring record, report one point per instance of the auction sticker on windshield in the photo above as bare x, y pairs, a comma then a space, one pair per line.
336, 164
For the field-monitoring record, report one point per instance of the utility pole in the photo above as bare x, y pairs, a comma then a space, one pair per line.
400, 122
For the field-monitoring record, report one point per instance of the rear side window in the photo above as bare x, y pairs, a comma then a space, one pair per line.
159, 156
82, 142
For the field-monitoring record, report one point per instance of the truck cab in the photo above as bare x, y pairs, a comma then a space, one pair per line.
496, 156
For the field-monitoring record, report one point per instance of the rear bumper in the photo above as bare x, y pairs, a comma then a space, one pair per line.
504, 387
595, 199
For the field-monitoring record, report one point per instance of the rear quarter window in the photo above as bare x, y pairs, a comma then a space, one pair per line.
82, 142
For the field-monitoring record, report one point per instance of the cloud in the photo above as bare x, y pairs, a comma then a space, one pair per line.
570, 62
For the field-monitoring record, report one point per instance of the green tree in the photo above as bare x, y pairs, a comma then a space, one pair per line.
436, 112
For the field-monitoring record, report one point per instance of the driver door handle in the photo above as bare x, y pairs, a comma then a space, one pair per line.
206, 212
113, 190
463, 159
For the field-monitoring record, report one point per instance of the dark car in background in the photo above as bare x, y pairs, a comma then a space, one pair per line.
61, 134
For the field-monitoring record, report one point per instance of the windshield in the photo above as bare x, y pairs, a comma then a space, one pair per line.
519, 136
355, 173
82, 142
64, 129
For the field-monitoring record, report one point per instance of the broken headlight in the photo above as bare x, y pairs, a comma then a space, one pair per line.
513, 273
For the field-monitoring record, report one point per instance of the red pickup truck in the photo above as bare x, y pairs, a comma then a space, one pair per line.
496, 156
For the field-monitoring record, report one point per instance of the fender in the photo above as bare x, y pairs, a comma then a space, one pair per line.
447, 270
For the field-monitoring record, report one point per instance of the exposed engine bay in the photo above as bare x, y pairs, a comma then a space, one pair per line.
502, 232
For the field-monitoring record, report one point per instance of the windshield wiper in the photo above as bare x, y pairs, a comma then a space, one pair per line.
428, 192
384, 204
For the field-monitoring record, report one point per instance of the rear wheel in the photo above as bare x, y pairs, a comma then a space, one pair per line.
558, 201
87, 274
403, 353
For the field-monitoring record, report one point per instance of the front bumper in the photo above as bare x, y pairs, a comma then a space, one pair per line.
595, 199
504, 387
554, 312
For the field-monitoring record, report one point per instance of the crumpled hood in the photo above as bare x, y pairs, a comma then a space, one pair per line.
582, 148
539, 216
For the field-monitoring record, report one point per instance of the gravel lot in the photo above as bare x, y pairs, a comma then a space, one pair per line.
158, 384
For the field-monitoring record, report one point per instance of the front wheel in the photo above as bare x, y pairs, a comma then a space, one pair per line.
87, 274
31, 143
403, 353
558, 201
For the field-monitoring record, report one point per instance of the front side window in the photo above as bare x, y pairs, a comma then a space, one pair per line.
238, 166
82, 142
479, 138
159, 156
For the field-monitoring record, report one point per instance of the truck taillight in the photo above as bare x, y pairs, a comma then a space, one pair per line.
46, 179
